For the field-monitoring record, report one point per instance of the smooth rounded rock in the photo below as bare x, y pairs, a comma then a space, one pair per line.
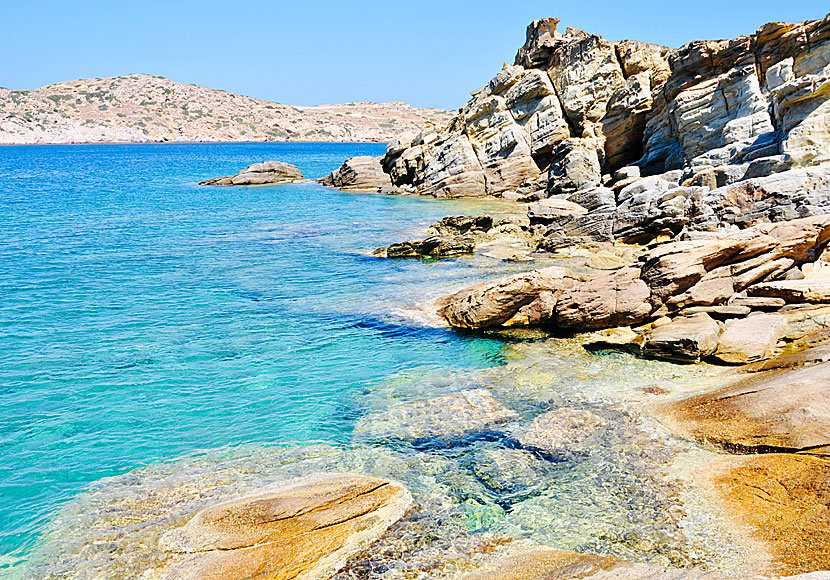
306, 530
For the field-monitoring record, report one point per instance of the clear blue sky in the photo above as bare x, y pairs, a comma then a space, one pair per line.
304, 52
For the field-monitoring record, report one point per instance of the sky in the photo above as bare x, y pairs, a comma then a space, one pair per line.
428, 53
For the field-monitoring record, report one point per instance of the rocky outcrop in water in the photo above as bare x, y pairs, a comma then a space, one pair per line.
265, 173
733, 296
362, 173
506, 238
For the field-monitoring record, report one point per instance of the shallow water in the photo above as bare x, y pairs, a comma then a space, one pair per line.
165, 345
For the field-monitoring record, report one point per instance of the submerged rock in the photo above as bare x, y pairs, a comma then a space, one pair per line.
560, 433
441, 420
307, 530
265, 173
510, 473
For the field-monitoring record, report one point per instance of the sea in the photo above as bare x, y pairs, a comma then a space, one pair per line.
155, 334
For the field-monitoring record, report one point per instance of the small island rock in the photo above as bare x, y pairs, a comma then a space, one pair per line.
265, 173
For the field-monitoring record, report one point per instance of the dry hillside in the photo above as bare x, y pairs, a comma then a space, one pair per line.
143, 108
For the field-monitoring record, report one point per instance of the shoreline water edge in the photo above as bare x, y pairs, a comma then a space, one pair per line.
639, 242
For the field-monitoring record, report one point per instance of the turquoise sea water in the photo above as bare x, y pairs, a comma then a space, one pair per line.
143, 316
164, 346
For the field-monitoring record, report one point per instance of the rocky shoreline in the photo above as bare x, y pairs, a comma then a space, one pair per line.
711, 160
695, 185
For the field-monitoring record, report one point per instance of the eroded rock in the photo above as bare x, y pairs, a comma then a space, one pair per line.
560, 433
362, 173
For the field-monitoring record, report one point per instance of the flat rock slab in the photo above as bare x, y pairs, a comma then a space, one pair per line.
307, 530
758, 302
265, 173
441, 420
559, 433
751, 339
784, 499
814, 291
783, 410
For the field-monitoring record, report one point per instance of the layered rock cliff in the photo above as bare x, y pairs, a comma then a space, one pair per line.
142, 108
732, 131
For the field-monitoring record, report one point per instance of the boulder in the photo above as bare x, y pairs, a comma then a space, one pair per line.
442, 420
494, 303
751, 339
725, 312
305, 530
362, 173
265, 173
560, 433
785, 410
615, 299
685, 339
460, 225
621, 338
757, 302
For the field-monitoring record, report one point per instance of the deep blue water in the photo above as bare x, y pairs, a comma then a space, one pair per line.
143, 316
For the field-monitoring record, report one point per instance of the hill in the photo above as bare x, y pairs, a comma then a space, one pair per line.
143, 108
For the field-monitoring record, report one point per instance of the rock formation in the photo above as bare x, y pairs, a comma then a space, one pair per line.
647, 141
265, 173
733, 296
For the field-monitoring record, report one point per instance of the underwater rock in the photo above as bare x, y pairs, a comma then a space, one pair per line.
265, 173
507, 472
440, 420
560, 433
307, 530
